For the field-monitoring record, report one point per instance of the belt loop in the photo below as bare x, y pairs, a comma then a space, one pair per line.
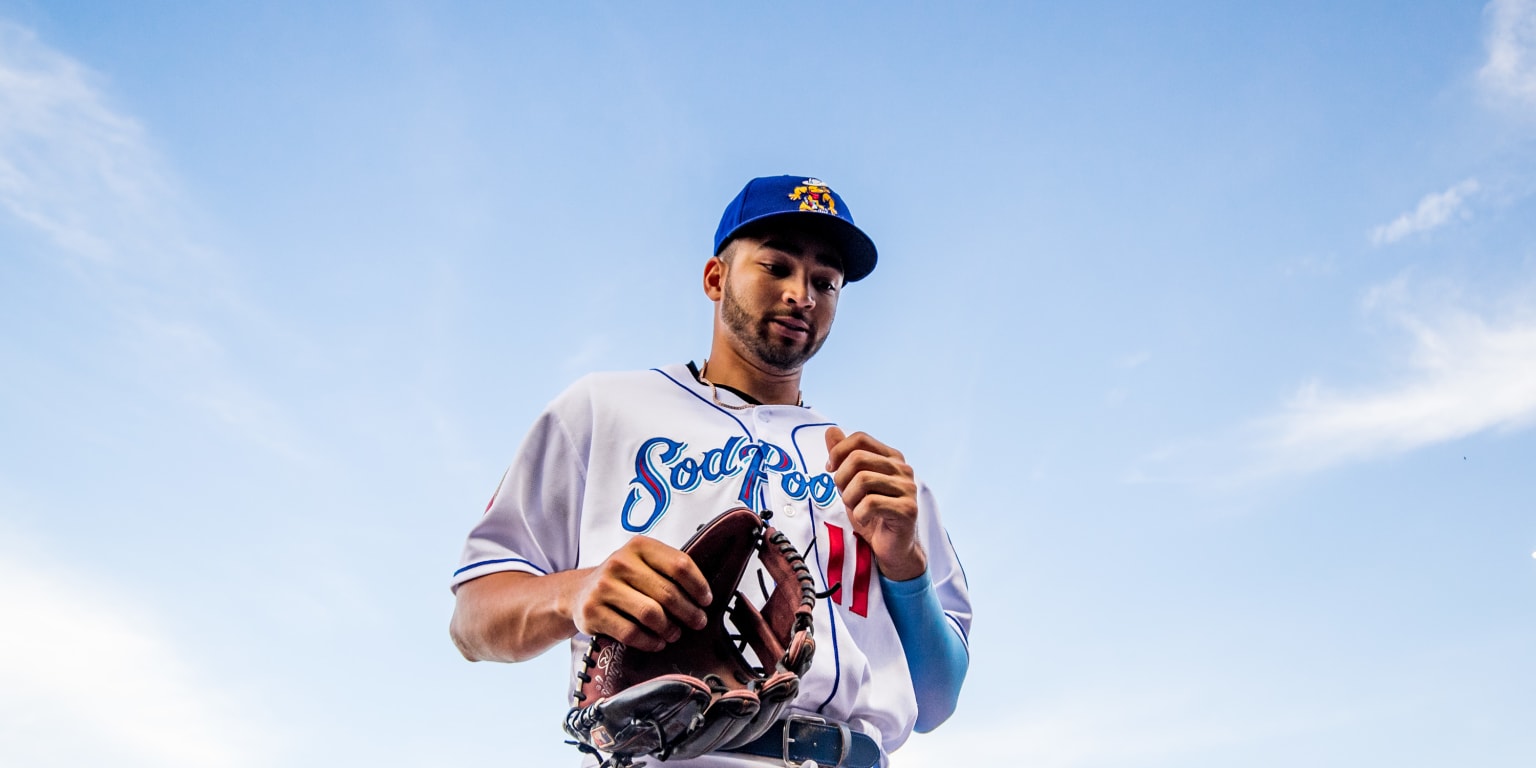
842, 755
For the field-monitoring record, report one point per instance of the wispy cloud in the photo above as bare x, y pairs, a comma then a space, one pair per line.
1434, 211
1509, 74
85, 177
70, 165
87, 678
1135, 359
1466, 368
1466, 372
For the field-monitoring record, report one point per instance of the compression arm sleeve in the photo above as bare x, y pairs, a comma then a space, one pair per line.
936, 655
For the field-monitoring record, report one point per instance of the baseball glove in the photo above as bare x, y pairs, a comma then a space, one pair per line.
700, 693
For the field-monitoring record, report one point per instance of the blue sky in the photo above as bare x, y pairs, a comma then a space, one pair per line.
1213, 326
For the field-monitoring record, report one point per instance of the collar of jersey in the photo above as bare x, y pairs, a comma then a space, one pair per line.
693, 368
750, 400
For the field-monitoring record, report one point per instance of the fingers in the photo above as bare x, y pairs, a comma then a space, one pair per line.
643, 595
891, 492
865, 472
862, 465
888, 524
840, 447
879, 492
834, 436
690, 588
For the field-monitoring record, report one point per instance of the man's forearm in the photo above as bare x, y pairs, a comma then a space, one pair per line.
936, 655
512, 615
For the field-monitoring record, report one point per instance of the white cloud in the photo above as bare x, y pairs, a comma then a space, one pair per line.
70, 165
84, 176
86, 677
1135, 359
1466, 373
1465, 369
1510, 71
1432, 212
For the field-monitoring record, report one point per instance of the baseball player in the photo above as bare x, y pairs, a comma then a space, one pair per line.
581, 536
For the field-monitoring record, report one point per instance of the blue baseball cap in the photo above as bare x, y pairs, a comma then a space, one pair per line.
805, 200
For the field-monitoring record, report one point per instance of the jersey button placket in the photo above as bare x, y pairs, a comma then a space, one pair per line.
771, 493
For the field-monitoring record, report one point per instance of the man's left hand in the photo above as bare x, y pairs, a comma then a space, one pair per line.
880, 494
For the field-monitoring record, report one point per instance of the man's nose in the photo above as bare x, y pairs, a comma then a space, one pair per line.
798, 293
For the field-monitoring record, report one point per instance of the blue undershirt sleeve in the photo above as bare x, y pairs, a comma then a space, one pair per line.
936, 655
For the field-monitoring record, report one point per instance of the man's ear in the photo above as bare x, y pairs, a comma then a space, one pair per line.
714, 278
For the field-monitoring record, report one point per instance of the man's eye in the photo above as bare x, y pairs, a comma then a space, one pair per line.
827, 286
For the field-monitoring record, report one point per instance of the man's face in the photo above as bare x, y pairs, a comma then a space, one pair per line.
779, 296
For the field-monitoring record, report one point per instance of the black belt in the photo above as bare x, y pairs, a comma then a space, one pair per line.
799, 738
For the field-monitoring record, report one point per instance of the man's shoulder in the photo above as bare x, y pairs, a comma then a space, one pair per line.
640, 376
604, 385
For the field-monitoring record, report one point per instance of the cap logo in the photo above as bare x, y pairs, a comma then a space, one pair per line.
814, 195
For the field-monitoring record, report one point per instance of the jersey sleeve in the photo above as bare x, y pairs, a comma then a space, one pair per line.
532, 522
944, 567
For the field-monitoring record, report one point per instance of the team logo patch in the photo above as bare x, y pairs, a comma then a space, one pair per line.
606, 660
814, 195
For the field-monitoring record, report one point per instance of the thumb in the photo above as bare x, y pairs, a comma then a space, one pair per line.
834, 436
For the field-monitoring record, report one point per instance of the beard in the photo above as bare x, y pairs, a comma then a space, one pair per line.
760, 341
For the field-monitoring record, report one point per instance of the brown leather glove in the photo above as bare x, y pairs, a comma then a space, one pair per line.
700, 693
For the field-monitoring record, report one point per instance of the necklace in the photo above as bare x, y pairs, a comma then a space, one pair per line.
715, 392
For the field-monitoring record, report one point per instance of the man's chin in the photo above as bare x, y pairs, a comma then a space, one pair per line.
783, 361
791, 366
781, 356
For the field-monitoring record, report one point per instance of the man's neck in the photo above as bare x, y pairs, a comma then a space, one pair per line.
726, 368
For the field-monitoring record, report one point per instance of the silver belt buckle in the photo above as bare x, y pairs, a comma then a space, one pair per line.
842, 754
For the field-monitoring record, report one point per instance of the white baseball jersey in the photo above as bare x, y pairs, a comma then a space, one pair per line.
652, 452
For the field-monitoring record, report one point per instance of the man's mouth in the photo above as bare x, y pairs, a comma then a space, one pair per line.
792, 326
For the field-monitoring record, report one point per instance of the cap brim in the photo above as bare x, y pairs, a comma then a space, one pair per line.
855, 247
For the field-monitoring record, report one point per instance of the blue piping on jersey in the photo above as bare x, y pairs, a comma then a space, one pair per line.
951, 543
744, 430
715, 406
541, 571
811, 509
959, 630
967, 581
837, 663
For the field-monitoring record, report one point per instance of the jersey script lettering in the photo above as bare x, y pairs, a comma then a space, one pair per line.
662, 467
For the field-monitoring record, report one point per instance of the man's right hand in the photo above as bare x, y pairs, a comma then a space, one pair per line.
642, 595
